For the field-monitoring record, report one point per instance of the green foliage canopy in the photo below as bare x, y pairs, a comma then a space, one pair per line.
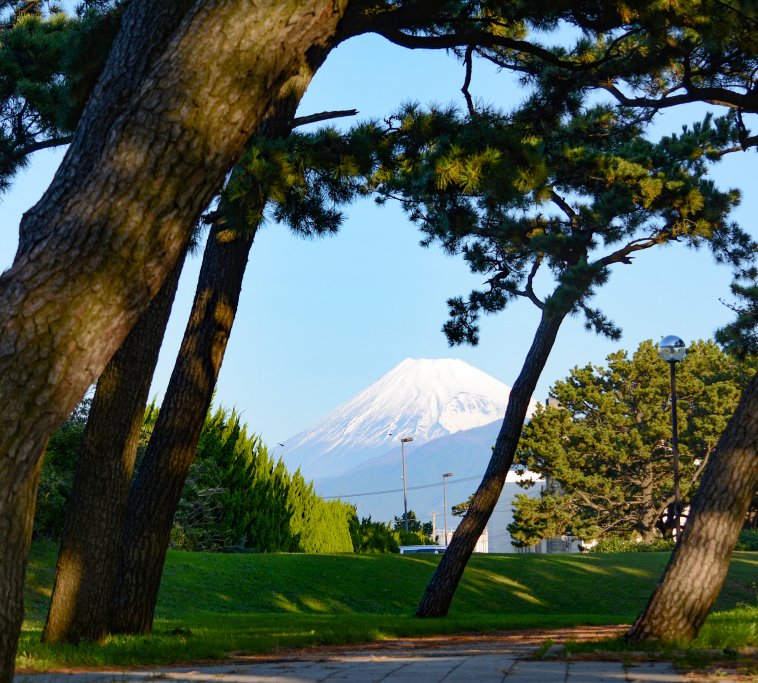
606, 451
49, 62
527, 200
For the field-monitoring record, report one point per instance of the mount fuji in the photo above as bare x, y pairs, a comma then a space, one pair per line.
422, 399
453, 413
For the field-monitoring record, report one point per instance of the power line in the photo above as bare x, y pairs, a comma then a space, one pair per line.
409, 488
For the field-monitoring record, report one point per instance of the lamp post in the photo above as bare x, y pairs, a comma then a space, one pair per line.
404, 441
672, 350
444, 499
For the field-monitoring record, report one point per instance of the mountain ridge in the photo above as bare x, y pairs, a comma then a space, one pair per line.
422, 399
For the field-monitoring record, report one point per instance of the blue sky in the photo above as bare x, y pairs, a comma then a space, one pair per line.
319, 320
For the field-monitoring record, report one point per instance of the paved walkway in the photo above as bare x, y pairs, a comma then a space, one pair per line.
472, 659
359, 668
506, 657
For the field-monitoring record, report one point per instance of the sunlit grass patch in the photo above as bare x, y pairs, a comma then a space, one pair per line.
731, 629
214, 606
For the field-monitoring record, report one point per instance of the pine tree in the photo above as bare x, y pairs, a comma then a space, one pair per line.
98, 245
49, 61
607, 447
96, 507
518, 194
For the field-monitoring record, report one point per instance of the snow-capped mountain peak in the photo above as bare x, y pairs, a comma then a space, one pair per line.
422, 399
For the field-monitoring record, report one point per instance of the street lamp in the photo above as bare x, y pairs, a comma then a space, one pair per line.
672, 350
444, 499
404, 441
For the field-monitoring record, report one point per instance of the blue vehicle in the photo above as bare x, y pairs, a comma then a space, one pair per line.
413, 549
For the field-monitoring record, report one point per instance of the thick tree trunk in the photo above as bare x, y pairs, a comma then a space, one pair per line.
696, 571
88, 555
97, 247
16, 532
441, 588
160, 481
158, 486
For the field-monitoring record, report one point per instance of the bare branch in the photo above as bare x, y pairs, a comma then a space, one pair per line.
45, 144
322, 116
528, 291
467, 81
480, 39
717, 96
622, 255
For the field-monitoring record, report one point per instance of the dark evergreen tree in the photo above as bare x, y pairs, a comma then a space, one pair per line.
606, 449
373, 537
419, 533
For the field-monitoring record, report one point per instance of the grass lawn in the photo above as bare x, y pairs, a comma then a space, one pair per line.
213, 605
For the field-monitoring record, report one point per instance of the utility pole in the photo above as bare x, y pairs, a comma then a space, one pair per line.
444, 500
404, 441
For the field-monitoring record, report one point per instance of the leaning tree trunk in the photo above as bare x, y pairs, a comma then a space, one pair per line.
441, 588
16, 532
87, 559
158, 487
97, 247
696, 571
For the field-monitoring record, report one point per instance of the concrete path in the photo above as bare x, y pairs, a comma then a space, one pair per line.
397, 669
480, 660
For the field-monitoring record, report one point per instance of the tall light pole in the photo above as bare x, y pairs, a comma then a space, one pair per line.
444, 499
672, 350
404, 441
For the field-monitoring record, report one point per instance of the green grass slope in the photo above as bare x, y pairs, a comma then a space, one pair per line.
212, 605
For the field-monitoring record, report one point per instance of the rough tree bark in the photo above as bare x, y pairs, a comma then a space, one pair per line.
696, 571
441, 588
159, 483
96, 248
87, 559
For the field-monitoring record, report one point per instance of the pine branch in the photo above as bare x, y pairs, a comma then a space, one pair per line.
480, 39
717, 96
45, 144
563, 205
528, 291
622, 255
322, 116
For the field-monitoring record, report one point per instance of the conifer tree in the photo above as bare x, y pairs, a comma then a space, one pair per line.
98, 245
249, 198
600, 193
238, 497
607, 449
48, 63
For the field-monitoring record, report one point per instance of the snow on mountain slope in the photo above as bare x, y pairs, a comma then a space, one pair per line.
423, 399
